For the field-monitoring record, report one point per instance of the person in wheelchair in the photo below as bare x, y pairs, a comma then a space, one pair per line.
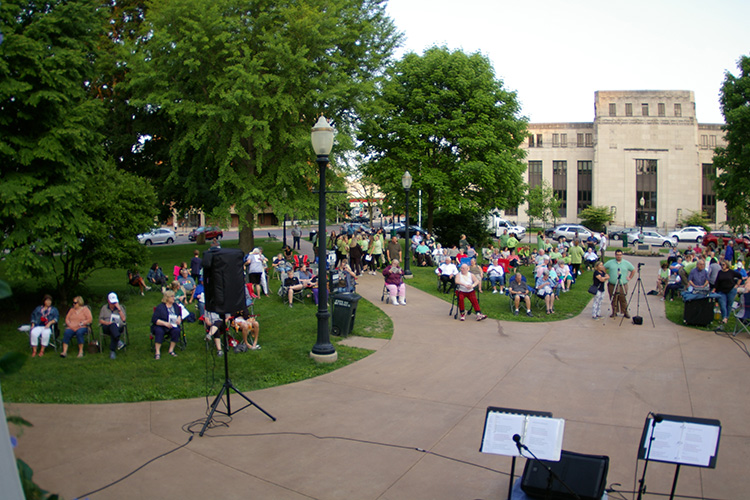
394, 282
466, 283
446, 271
519, 291
42, 320
165, 321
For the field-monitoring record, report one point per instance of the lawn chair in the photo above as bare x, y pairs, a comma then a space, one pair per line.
742, 315
181, 343
298, 295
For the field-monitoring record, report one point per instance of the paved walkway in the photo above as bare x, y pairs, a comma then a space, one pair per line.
354, 433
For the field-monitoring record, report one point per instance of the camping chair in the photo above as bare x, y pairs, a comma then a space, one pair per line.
445, 286
181, 343
298, 262
55, 339
742, 315
298, 295
125, 337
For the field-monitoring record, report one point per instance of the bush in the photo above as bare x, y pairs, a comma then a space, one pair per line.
448, 228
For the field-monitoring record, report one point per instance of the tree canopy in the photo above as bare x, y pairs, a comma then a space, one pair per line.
733, 161
446, 118
242, 82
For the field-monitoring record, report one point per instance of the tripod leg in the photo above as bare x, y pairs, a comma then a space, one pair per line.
249, 401
214, 405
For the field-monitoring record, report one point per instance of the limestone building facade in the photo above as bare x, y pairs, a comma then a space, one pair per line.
644, 155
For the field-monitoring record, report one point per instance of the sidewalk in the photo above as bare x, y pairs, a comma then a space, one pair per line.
427, 388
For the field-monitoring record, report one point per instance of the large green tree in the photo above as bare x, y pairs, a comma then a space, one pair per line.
57, 193
243, 81
446, 118
733, 161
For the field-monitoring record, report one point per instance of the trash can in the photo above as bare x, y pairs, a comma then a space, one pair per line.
313, 232
344, 312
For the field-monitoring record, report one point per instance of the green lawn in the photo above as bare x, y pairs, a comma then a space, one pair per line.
497, 306
286, 336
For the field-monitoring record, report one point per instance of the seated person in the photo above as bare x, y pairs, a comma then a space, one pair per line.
246, 323
279, 263
292, 284
452, 252
422, 254
662, 280
77, 322
590, 258
438, 254
42, 320
156, 275
214, 324
347, 278
112, 317
470, 252
518, 291
477, 271
541, 258
187, 283
135, 279
288, 253
446, 271
674, 284
496, 275
165, 321
562, 270
394, 282
179, 292
545, 288
200, 297
698, 278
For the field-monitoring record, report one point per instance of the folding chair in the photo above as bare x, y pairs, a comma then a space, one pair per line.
125, 337
298, 295
181, 343
742, 315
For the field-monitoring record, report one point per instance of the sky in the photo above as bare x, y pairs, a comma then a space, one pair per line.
556, 54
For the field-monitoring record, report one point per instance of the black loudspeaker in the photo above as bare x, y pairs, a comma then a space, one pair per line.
584, 474
637, 320
223, 280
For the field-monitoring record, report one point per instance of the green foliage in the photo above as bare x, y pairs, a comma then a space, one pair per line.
242, 83
11, 362
61, 206
446, 118
543, 204
449, 226
596, 218
733, 161
696, 219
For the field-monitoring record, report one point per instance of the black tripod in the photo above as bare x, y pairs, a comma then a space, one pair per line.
638, 288
225, 390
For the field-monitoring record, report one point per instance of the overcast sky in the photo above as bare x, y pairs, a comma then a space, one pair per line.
556, 54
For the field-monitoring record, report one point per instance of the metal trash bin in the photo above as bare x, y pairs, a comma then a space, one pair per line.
313, 232
344, 312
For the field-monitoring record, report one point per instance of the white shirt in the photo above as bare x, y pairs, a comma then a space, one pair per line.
447, 269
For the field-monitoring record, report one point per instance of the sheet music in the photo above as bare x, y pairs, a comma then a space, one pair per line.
682, 442
542, 435
499, 431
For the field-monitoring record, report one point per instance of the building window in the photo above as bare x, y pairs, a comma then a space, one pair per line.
584, 184
644, 109
712, 141
662, 109
628, 109
555, 140
560, 185
535, 173
531, 140
704, 141
589, 140
564, 140
678, 109
511, 212
708, 197
646, 189
580, 140
539, 140
612, 109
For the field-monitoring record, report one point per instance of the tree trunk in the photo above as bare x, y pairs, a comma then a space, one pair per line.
247, 236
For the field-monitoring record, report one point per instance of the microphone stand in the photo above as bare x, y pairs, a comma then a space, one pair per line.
551, 475
642, 482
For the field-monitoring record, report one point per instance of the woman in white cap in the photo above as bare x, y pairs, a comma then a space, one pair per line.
112, 317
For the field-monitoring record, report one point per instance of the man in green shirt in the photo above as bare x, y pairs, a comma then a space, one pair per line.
504, 239
576, 258
620, 272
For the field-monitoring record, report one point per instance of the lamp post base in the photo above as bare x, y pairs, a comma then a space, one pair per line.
325, 358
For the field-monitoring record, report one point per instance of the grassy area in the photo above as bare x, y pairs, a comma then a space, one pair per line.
286, 336
497, 306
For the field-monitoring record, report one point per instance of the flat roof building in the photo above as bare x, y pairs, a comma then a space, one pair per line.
642, 146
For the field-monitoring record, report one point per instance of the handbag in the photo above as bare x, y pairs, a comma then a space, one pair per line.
594, 289
93, 346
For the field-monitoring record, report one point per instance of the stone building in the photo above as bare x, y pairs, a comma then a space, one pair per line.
643, 146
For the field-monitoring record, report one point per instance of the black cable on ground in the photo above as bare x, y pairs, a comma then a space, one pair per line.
743, 347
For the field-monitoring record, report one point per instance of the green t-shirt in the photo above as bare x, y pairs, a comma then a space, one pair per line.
576, 254
615, 269
512, 242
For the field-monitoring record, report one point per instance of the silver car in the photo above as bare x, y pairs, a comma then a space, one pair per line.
158, 235
569, 231
654, 238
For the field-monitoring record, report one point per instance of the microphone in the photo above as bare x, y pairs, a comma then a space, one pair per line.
656, 416
517, 440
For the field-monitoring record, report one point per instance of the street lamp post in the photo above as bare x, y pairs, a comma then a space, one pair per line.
406, 183
322, 142
642, 203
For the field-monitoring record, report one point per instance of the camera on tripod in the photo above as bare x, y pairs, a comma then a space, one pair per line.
640, 264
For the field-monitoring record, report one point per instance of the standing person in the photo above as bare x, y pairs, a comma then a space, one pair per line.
602, 243
255, 265
540, 245
196, 264
477, 271
729, 252
77, 322
355, 254
42, 319
600, 277
576, 258
376, 251
296, 237
512, 242
466, 283
503, 240
727, 282
112, 317
165, 321
394, 282
393, 250
620, 273
463, 243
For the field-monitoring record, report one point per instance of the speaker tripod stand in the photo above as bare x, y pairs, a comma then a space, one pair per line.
226, 388
640, 288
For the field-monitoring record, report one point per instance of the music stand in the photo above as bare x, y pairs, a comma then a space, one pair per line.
680, 441
501, 424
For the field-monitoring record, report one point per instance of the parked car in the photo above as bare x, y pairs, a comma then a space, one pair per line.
212, 232
353, 227
361, 219
711, 240
157, 235
568, 231
654, 238
390, 227
502, 225
688, 233
631, 232
401, 232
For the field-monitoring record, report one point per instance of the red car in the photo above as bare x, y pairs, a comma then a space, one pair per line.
212, 232
711, 240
